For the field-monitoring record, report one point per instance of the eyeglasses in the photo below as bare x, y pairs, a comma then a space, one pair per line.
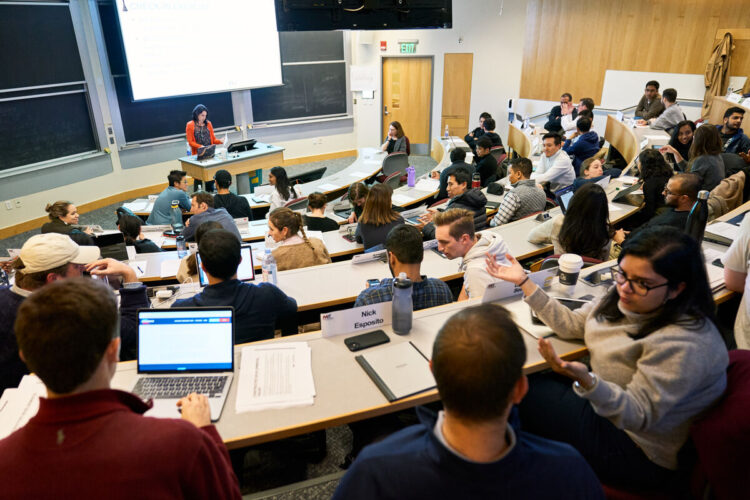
637, 286
668, 192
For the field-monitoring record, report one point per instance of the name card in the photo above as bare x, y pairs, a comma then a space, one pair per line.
619, 116
356, 319
369, 257
503, 289
243, 223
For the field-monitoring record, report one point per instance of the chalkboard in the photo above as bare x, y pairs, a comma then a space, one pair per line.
156, 118
39, 48
309, 90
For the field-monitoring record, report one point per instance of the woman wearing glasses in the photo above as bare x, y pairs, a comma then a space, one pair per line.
657, 361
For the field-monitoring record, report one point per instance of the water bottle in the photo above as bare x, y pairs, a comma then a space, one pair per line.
189, 149
181, 246
269, 268
176, 216
402, 304
411, 176
695, 225
447, 132
476, 181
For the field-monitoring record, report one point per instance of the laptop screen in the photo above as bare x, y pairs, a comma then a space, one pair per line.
184, 340
563, 197
245, 271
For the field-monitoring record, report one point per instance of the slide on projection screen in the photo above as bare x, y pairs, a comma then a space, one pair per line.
178, 47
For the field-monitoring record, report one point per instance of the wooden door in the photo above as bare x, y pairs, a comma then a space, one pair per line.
457, 69
407, 95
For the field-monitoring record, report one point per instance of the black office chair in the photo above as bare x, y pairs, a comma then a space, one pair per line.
394, 163
393, 180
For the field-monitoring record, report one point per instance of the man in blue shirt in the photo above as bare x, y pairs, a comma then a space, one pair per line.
202, 206
583, 145
469, 450
258, 308
177, 190
405, 254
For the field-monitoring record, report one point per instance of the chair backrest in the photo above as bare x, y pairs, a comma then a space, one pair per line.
395, 163
297, 203
722, 436
518, 141
393, 180
408, 145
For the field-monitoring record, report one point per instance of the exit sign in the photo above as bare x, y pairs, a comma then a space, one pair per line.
408, 46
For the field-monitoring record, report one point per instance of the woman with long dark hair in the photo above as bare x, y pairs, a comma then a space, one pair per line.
705, 157
295, 249
199, 133
679, 143
357, 195
282, 192
378, 217
657, 361
396, 140
130, 227
655, 172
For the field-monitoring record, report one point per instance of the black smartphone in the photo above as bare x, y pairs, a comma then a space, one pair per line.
365, 340
600, 277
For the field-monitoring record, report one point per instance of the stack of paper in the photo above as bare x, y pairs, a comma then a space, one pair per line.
17, 406
275, 376
428, 185
400, 199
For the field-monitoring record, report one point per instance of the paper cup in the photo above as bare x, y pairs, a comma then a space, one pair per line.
570, 267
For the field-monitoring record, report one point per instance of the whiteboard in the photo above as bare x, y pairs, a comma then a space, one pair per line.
625, 88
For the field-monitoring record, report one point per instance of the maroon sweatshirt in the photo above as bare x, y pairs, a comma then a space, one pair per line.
98, 444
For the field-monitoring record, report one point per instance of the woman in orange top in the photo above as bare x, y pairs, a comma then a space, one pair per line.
199, 132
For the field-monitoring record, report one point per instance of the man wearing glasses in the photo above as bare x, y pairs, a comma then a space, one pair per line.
680, 194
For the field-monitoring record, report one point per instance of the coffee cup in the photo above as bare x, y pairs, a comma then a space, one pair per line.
570, 267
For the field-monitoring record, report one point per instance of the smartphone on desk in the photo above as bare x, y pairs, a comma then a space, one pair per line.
600, 277
365, 340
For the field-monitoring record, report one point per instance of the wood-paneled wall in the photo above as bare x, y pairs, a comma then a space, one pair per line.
571, 43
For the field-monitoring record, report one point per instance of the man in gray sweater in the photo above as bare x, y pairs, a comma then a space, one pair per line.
671, 116
524, 199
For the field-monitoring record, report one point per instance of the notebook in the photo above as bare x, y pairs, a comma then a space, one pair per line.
184, 350
399, 370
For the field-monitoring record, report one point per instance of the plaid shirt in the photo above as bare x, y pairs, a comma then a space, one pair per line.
525, 198
430, 292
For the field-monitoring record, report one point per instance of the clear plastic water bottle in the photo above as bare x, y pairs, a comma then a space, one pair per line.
176, 217
695, 225
447, 131
189, 149
269, 268
476, 181
402, 304
181, 246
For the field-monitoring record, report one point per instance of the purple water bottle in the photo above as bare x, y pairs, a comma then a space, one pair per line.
411, 176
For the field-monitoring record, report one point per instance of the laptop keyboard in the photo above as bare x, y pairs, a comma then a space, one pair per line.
179, 387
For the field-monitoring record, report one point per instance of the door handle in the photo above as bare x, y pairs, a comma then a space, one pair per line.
385, 110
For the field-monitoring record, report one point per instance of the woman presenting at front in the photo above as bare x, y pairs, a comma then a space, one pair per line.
657, 361
199, 133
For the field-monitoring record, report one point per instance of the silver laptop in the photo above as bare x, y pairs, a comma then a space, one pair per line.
181, 351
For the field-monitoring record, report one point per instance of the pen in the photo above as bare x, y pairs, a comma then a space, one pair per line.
139, 269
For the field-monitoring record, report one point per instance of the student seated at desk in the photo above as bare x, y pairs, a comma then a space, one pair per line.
671, 116
295, 249
657, 361
584, 230
474, 447
650, 105
63, 216
736, 268
705, 158
378, 217
202, 206
655, 172
257, 308
583, 144
67, 333
486, 164
733, 138
568, 120
454, 231
680, 194
458, 159
555, 166
680, 143
357, 195
130, 227
592, 170
554, 121
462, 196
524, 198
177, 190
237, 206
489, 132
396, 142
478, 132
405, 254
316, 220
188, 270
282, 192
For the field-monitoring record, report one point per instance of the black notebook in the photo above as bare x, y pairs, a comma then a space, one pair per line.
399, 370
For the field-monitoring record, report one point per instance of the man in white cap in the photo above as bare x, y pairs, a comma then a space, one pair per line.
45, 258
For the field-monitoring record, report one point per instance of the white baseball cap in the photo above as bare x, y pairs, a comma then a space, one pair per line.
43, 252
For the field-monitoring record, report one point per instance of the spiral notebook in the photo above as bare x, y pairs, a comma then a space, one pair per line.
399, 370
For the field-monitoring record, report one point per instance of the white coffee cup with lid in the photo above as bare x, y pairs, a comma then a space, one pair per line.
570, 267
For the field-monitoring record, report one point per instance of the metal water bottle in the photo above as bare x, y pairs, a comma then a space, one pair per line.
695, 225
476, 181
402, 304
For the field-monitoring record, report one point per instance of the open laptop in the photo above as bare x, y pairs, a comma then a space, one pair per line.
206, 152
622, 193
184, 350
563, 196
245, 271
112, 245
